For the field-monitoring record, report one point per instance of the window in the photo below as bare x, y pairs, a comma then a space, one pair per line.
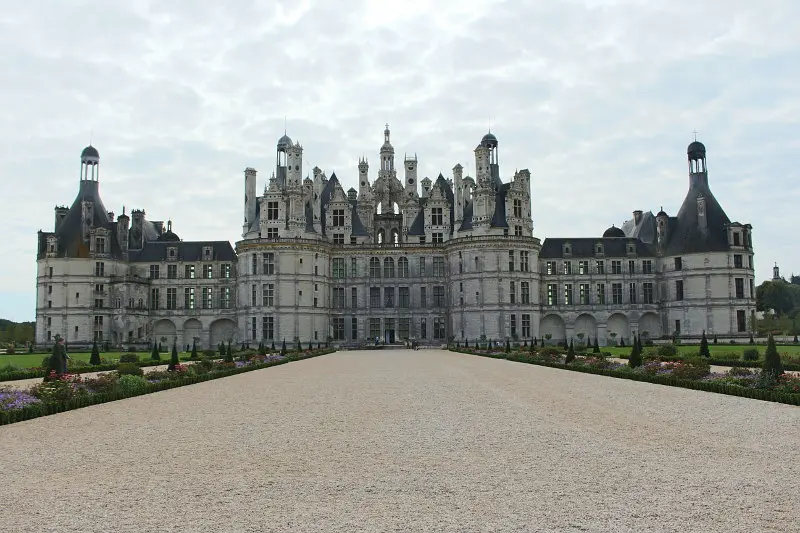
439, 328
599, 248
50, 271
438, 267
99, 245
154, 271
374, 328
388, 267
388, 297
552, 294
338, 222
208, 271
404, 297
749, 262
354, 298
517, 231
679, 289
631, 266
423, 329
208, 297
526, 325
268, 260
254, 294
737, 261
737, 238
568, 294
154, 299
525, 292
511, 260
438, 296
402, 267
375, 297
437, 218
568, 268
550, 267
423, 297
752, 289
677, 327
316, 301
354, 328
632, 292
647, 292
268, 327
583, 267
253, 332
601, 267
647, 266
172, 298
98, 302
616, 293
272, 210
172, 271
404, 328
374, 267
188, 298
523, 262
512, 292
741, 320
189, 272
513, 323
99, 269
437, 238
272, 233
422, 239
353, 267
225, 298
583, 289
616, 267
338, 267
601, 293
268, 294
338, 328
353, 240
338, 238
739, 284
254, 265
678, 263
518, 208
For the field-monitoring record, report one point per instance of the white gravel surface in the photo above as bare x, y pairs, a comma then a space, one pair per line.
407, 441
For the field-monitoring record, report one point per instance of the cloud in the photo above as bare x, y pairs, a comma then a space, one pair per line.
597, 98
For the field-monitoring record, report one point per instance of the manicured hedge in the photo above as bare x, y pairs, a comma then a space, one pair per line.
707, 386
44, 409
727, 362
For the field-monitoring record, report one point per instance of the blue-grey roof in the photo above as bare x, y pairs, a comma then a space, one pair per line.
187, 251
684, 235
553, 248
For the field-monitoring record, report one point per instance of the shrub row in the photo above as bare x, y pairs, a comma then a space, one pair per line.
45, 409
725, 362
707, 386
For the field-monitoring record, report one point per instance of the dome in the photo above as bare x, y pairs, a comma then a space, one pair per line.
90, 152
285, 141
696, 150
489, 140
168, 236
662, 214
614, 233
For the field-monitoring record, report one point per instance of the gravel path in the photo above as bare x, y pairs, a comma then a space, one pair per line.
407, 441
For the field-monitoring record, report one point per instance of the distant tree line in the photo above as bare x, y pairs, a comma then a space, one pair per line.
16, 332
779, 300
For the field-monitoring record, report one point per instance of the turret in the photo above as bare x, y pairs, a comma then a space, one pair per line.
363, 176
61, 214
387, 154
458, 194
410, 165
294, 164
123, 227
662, 228
249, 199
136, 241
776, 273
426, 187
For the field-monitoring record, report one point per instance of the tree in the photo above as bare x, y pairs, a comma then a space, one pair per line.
310, 345
283, 347
596, 348
154, 355
299, 348
54, 363
704, 351
535, 342
752, 340
778, 296
772, 359
194, 349
715, 338
229, 354
635, 358
466, 342
570, 353
94, 359
273, 345
173, 361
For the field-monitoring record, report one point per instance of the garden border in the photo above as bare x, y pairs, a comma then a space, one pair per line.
45, 409
730, 390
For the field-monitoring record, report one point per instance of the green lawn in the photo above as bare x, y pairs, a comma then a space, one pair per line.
718, 351
27, 360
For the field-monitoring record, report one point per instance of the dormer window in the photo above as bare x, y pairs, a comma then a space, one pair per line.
207, 252
598, 248
172, 253
737, 238
567, 249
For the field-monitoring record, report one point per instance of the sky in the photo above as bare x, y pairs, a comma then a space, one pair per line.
598, 98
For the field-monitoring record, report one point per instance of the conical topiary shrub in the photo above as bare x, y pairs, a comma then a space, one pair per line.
94, 359
772, 359
508, 346
194, 350
283, 347
228, 354
596, 347
570, 353
635, 358
704, 351
173, 361
154, 355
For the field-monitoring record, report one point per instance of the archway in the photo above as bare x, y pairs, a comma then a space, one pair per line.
618, 329
649, 326
222, 330
585, 328
554, 327
164, 332
192, 330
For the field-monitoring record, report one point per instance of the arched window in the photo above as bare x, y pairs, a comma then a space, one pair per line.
388, 267
374, 267
380, 207
395, 208
381, 237
395, 237
402, 267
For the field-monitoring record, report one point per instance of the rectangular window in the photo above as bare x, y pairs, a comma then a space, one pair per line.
374, 267
423, 297
601, 293
524, 265
254, 264
404, 328
550, 268
438, 296
154, 299
583, 267
552, 294
253, 332
268, 327
353, 328
208, 271
631, 266
677, 327
679, 289
374, 328
272, 210
647, 266
737, 261
99, 269
517, 208
741, 320
272, 233
100, 245
402, 267
437, 238
437, 218
423, 329
405, 297
188, 298
154, 271
568, 294
601, 267
647, 292
388, 297
338, 239
512, 292
208, 297
568, 268
511, 260
526, 325
678, 263
254, 294
584, 293
354, 298
517, 231
268, 294
338, 222
513, 324
422, 239
525, 292
752, 289
338, 298
353, 267
739, 285
632, 292
338, 328
172, 298
438, 267
616, 267
353, 240
172, 271
439, 328
422, 266
225, 298
269, 263
375, 297
737, 238
338, 267
616, 293
189, 274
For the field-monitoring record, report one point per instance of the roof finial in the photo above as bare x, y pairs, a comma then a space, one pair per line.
123, 210
91, 134
695, 134
284, 124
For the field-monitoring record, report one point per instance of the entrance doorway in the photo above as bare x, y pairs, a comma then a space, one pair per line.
388, 336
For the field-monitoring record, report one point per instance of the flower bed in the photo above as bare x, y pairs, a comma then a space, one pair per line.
690, 373
72, 391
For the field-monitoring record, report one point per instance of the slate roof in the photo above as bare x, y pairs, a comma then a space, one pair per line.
187, 251
70, 232
553, 248
684, 235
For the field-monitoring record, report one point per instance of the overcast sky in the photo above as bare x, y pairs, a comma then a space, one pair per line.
598, 98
